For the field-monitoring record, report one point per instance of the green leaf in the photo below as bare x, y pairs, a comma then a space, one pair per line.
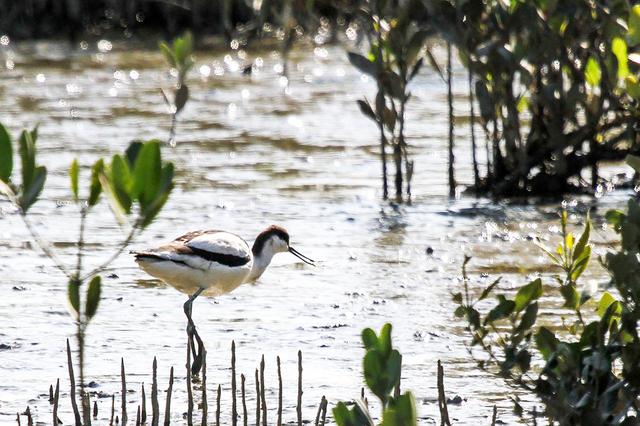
369, 339
401, 412
605, 301
485, 293
373, 366
168, 54
634, 26
528, 318
633, 161
384, 340
394, 369
93, 296
546, 341
619, 48
120, 182
363, 64
73, 295
592, 72
30, 194
27, 156
571, 296
527, 294
580, 264
73, 175
166, 185
182, 95
95, 188
365, 108
6, 155
504, 308
583, 240
146, 174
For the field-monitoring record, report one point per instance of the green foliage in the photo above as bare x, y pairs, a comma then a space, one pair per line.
586, 372
179, 55
382, 367
93, 296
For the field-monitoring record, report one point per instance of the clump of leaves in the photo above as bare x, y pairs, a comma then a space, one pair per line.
588, 371
179, 56
382, 367
137, 183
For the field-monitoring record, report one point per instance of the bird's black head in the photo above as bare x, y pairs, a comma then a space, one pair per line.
276, 239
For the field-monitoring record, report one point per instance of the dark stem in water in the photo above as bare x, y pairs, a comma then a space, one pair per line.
452, 180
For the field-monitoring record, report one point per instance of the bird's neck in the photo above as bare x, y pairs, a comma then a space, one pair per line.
261, 260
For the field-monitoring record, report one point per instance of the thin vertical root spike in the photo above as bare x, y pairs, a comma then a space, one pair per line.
299, 406
56, 399
234, 407
72, 382
279, 423
155, 406
144, 406
263, 398
245, 419
257, 398
205, 405
218, 406
324, 411
123, 396
113, 409
442, 399
167, 410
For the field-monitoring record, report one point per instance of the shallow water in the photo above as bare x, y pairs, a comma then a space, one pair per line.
250, 154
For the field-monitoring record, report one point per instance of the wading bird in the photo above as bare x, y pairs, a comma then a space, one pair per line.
213, 262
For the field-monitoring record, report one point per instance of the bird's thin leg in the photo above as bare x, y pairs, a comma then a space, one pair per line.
192, 332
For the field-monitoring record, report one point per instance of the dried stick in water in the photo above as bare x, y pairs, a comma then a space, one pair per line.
494, 418
324, 411
138, 417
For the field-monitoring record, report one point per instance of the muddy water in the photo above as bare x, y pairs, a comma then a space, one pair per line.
250, 154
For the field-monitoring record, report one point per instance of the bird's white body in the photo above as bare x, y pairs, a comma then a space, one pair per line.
216, 261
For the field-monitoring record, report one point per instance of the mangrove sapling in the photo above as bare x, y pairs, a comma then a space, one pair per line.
396, 37
588, 372
179, 56
138, 176
382, 368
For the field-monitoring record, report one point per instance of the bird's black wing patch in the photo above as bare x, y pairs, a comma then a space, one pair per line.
221, 258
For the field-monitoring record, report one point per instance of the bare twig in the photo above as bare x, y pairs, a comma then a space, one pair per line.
44, 246
494, 418
138, 423
123, 245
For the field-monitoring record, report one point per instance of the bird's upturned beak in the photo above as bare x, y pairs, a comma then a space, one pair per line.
301, 256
